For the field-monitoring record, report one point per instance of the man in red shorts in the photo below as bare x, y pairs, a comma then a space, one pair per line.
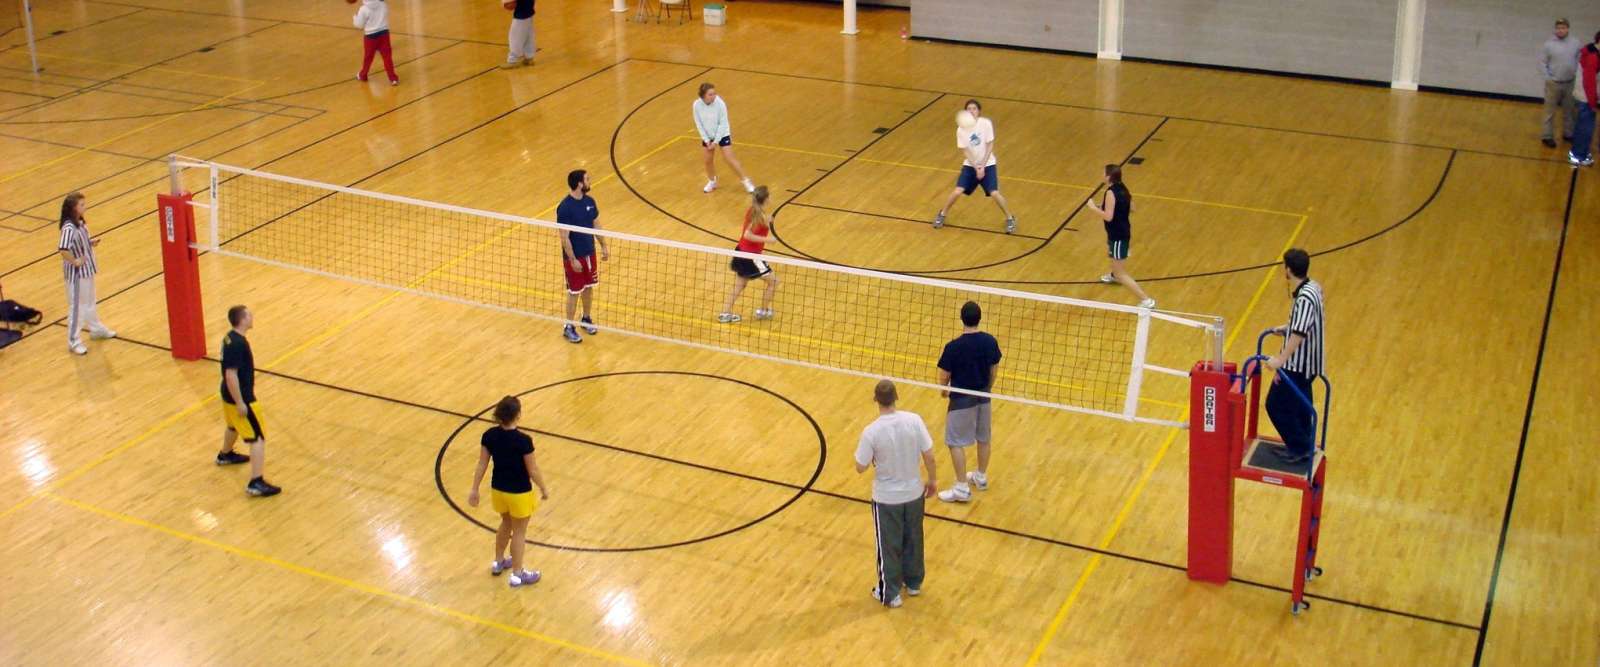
577, 252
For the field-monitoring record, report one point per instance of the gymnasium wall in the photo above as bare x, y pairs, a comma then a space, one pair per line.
1492, 45
1344, 38
1060, 25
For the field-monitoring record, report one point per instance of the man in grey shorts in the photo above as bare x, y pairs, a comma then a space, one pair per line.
894, 444
971, 361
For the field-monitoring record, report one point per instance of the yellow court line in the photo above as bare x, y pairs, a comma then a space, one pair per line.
1149, 471
158, 68
141, 128
348, 583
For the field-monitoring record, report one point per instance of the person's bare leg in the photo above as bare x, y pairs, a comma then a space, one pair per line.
772, 289
958, 461
229, 436
502, 537
258, 457
1000, 200
983, 458
519, 541
588, 301
1119, 272
951, 201
727, 154
572, 306
738, 288
711, 162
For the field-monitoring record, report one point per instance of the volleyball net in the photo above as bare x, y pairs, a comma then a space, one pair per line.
1070, 354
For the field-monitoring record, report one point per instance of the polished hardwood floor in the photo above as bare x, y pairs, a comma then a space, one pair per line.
703, 507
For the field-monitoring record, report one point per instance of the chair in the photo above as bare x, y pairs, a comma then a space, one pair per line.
685, 10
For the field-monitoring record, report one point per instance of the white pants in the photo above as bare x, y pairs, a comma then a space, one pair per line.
80, 310
521, 40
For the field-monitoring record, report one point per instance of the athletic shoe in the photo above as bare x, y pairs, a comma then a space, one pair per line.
361, 77
728, 318
1283, 455
979, 480
1148, 304
763, 313
589, 327
102, 335
1576, 162
710, 185
79, 349
1108, 279
570, 333
527, 62
1550, 143
959, 493
511, 63
748, 186
913, 592
260, 488
232, 458
524, 578
496, 567
1588, 161
938, 220
892, 604
394, 82
1011, 225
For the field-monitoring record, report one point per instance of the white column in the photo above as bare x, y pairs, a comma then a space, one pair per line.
27, 24
849, 18
1408, 45
619, 6
1111, 29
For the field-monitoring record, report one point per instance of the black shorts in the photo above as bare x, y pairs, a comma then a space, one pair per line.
725, 141
750, 269
969, 181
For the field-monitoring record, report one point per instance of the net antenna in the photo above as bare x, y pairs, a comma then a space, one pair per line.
16, 29
1063, 353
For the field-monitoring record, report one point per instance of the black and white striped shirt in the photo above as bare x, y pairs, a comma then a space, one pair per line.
75, 239
1306, 319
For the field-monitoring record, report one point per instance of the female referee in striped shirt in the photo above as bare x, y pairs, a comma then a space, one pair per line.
1299, 362
78, 269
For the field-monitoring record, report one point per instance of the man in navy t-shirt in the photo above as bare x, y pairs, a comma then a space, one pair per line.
971, 361
577, 252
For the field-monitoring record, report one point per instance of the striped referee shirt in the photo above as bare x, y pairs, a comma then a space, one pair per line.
1306, 319
75, 239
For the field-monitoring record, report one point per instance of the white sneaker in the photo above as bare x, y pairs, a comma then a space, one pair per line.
979, 480
102, 334
1108, 279
1148, 304
763, 313
913, 592
749, 186
1011, 225
524, 578
728, 318
80, 349
892, 604
499, 566
959, 493
710, 185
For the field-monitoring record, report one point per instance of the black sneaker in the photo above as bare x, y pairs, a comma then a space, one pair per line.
260, 487
1550, 143
589, 327
232, 458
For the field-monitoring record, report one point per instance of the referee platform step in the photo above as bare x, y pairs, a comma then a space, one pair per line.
1261, 464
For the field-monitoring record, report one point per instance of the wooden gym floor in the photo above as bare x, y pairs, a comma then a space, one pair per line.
1458, 257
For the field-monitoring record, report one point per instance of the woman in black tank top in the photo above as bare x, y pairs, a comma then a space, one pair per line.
1114, 211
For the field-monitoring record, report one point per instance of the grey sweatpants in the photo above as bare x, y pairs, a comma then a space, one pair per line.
899, 547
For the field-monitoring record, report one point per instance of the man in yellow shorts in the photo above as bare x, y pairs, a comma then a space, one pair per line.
241, 414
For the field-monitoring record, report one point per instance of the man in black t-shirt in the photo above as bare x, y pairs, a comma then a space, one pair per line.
240, 412
971, 361
578, 209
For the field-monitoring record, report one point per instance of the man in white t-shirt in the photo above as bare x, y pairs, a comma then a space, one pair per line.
977, 166
892, 444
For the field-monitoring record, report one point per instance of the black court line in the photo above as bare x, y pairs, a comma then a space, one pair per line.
41, 38
836, 167
340, 27
129, 84
164, 98
1527, 422
102, 151
134, 71
819, 492
1266, 128
563, 87
914, 220
397, 66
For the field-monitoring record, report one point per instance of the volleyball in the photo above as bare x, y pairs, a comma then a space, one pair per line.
965, 120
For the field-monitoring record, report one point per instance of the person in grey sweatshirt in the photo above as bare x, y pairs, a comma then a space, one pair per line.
1558, 63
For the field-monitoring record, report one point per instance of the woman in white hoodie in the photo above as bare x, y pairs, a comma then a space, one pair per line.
373, 20
711, 120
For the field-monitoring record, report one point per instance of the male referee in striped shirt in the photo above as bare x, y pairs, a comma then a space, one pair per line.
1299, 362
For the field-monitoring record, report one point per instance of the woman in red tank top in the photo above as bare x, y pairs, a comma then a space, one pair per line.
753, 238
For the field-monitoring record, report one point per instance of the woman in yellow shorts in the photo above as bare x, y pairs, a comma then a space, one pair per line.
510, 488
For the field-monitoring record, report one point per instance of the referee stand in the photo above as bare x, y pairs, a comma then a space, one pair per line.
1225, 445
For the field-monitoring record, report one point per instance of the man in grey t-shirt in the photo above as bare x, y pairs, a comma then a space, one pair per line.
892, 445
1558, 64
